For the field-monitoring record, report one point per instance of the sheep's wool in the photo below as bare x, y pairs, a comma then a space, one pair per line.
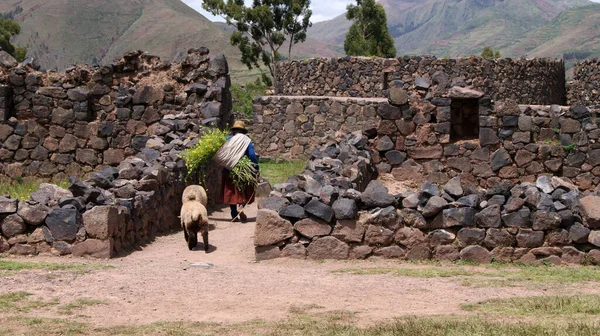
232, 151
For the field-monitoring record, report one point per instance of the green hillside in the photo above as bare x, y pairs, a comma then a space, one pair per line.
463, 27
64, 32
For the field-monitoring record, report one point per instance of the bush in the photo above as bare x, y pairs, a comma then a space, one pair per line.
243, 95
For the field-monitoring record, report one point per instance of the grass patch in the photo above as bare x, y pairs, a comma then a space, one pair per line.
494, 275
22, 190
78, 304
278, 172
11, 267
432, 272
326, 324
540, 305
16, 302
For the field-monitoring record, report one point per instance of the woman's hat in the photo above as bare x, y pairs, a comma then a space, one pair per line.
239, 125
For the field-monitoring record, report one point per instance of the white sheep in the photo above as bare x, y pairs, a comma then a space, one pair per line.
195, 193
194, 217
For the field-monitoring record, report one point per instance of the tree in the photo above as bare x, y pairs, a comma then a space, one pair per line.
9, 28
368, 35
263, 28
489, 53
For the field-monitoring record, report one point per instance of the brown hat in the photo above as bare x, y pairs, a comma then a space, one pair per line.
240, 126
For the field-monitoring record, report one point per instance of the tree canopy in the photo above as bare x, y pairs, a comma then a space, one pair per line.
264, 27
488, 52
368, 35
9, 28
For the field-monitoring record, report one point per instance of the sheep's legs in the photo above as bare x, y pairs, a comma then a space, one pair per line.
192, 241
185, 234
205, 241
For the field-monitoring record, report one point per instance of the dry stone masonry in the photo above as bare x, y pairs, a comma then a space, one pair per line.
333, 210
535, 81
585, 87
499, 167
120, 126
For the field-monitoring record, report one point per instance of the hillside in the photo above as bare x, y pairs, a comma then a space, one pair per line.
461, 27
63, 32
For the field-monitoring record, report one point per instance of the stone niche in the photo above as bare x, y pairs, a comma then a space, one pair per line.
464, 119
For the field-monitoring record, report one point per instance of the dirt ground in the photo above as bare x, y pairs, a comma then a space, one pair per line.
155, 284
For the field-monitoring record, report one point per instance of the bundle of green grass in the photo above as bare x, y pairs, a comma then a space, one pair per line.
196, 158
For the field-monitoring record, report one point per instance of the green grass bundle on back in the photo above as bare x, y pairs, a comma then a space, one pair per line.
201, 154
244, 174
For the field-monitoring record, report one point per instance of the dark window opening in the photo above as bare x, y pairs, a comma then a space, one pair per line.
386, 78
464, 119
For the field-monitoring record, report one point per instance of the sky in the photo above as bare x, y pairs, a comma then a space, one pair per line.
322, 9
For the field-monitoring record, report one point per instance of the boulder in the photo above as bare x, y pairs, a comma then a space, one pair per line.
530, 238
294, 251
271, 229
349, 231
64, 223
434, 206
101, 249
544, 183
471, 236
101, 222
458, 217
272, 203
544, 220
590, 211
376, 195
378, 236
594, 238
572, 255
476, 254
293, 212
579, 233
345, 208
498, 237
311, 228
446, 253
319, 210
328, 248
12, 225
267, 252
489, 217
33, 213
458, 92
454, 187
8, 205
441, 237
390, 252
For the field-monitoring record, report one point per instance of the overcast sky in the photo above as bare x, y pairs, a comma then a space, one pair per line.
322, 9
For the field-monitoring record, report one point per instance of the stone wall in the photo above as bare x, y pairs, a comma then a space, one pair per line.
535, 81
324, 213
514, 142
70, 124
585, 87
293, 126
123, 127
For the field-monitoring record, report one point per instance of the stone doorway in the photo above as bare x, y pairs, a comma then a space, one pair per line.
464, 119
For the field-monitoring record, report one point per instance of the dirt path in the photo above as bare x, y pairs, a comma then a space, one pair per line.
152, 285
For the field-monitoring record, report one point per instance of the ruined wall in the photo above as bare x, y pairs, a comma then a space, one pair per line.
292, 127
536, 81
585, 87
123, 127
330, 212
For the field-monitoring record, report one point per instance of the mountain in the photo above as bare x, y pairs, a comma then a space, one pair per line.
64, 32
312, 47
463, 27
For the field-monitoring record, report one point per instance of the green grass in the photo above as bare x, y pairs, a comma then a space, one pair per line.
22, 190
10, 267
326, 324
78, 304
278, 172
414, 273
540, 305
493, 275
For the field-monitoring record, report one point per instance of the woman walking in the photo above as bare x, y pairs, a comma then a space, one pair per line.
239, 141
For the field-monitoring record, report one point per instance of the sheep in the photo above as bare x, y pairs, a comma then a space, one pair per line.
195, 193
194, 217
